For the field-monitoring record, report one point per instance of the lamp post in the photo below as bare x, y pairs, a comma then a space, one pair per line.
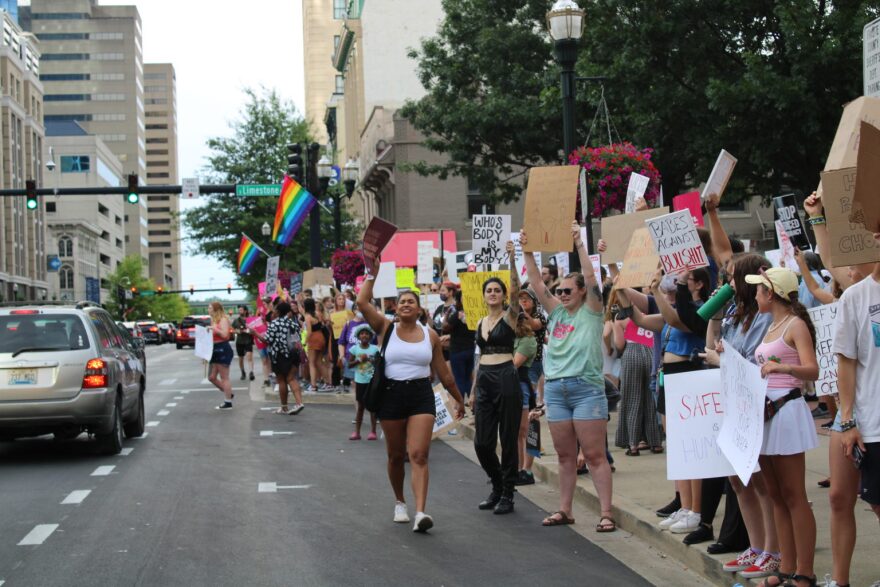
266, 229
311, 177
325, 172
565, 22
350, 174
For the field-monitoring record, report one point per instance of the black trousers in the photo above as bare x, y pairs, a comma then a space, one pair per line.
733, 531
498, 412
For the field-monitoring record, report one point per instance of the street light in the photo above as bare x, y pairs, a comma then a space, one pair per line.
266, 229
565, 23
350, 174
325, 173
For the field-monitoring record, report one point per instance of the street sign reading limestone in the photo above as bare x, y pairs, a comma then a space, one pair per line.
258, 189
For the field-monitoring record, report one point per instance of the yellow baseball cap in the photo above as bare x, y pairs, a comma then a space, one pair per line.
781, 280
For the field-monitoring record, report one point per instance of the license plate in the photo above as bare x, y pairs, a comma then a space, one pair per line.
22, 377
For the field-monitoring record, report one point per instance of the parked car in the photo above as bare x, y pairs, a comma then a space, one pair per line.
186, 334
137, 344
133, 329
167, 331
66, 369
150, 331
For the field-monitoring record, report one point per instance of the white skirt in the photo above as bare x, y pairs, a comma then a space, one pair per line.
790, 431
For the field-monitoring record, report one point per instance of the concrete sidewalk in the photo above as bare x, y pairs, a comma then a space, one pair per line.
640, 487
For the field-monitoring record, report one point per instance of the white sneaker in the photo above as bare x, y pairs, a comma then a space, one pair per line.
424, 522
686, 524
665, 523
400, 514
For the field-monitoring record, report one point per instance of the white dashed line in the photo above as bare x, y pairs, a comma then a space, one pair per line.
178, 397
126, 451
162, 413
103, 471
38, 535
274, 433
76, 497
185, 392
152, 424
171, 405
273, 487
168, 382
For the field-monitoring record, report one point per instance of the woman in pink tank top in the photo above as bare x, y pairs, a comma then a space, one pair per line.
787, 357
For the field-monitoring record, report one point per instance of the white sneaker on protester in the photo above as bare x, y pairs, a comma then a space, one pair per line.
400, 514
686, 524
424, 522
665, 523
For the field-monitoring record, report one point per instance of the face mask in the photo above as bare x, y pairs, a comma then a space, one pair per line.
443, 297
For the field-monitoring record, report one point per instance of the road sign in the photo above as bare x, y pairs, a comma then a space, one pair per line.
336, 175
53, 263
871, 58
189, 187
258, 189
93, 290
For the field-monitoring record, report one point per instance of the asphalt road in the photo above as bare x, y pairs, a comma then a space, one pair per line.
184, 506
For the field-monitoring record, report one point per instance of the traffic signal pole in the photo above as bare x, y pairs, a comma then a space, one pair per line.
226, 188
315, 215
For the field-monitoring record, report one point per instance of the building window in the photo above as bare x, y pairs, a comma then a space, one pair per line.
152, 76
64, 57
59, 15
163, 141
159, 198
157, 164
110, 77
479, 205
339, 9
102, 209
67, 98
157, 127
67, 117
155, 89
156, 152
160, 233
162, 175
109, 56
65, 247
62, 37
64, 77
50, 207
336, 39
157, 114
156, 100
340, 84
75, 164
65, 277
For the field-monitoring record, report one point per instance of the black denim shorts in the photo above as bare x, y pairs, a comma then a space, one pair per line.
403, 399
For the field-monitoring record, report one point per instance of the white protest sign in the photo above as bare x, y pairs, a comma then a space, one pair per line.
272, 273
490, 233
204, 346
720, 175
562, 264
596, 261
444, 418
386, 282
775, 257
742, 429
584, 198
518, 259
425, 262
823, 320
677, 242
694, 415
431, 302
786, 248
638, 183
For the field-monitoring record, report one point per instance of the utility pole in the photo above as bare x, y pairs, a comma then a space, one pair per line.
314, 186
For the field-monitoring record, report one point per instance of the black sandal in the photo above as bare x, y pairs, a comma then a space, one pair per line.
793, 581
632, 452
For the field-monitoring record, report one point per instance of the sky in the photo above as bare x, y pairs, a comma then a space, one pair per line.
218, 48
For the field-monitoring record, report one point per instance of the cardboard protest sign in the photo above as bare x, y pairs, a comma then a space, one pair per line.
562, 264
638, 183
638, 335
720, 175
845, 147
490, 233
472, 294
787, 213
694, 415
849, 242
866, 201
641, 261
618, 230
550, 207
425, 261
690, 201
823, 320
272, 272
317, 276
518, 259
444, 418
742, 427
431, 302
376, 238
385, 285
596, 262
405, 278
786, 248
677, 242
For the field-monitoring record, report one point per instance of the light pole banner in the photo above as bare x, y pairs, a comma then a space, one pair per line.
742, 429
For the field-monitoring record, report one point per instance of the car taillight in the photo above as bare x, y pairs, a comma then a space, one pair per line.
96, 374
154, 329
20, 312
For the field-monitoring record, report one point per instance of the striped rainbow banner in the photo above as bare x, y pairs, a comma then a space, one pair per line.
294, 205
248, 253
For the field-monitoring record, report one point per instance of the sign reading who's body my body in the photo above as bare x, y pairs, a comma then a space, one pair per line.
490, 233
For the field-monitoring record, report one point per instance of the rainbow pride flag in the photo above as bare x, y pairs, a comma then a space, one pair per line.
294, 205
248, 253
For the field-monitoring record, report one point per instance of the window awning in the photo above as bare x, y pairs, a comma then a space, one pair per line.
403, 246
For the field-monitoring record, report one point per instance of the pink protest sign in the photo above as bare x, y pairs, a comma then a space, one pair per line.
259, 326
689, 201
638, 335
261, 288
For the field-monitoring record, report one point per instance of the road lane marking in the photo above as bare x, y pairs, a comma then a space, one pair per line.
178, 397
205, 382
125, 452
185, 392
38, 535
76, 497
171, 405
162, 413
273, 487
152, 424
274, 433
168, 382
103, 471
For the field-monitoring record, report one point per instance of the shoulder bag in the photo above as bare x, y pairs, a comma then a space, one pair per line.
375, 391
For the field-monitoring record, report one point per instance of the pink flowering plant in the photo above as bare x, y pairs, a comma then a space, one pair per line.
348, 264
608, 170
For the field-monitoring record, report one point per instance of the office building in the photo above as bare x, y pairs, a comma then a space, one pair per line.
92, 71
23, 241
163, 231
321, 20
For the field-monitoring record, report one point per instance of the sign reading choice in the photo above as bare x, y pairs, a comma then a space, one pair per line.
677, 242
823, 320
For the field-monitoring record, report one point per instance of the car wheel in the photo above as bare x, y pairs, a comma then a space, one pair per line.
111, 442
135, 428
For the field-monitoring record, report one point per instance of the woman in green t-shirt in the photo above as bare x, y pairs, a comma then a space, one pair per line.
574, 388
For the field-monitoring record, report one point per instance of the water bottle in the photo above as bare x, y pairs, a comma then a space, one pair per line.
716, 302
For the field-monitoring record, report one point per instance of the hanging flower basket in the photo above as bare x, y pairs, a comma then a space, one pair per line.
608, 170
348, 264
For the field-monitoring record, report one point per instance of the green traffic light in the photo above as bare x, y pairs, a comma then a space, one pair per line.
31, 203
133, 198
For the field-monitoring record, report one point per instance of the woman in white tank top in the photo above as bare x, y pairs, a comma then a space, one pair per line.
407, 408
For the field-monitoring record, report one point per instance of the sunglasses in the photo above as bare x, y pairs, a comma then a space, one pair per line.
564, 291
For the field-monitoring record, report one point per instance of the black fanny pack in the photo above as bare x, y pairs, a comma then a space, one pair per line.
772, 407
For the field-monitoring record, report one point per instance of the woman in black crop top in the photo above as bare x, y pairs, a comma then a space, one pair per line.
497, 393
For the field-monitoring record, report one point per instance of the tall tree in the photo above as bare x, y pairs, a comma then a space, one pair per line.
255, 153
764, 79
161, 308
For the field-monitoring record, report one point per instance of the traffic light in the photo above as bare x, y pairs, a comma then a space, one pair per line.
134, 292
133, 196
192, 290
229, 288
31, 189
160, 290
295, 162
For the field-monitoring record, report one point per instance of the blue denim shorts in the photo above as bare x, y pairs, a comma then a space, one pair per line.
574, 398
526, 394
535, 371
835, 427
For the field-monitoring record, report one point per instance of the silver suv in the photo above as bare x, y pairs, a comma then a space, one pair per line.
65, 370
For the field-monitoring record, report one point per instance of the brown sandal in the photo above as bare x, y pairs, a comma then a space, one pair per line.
562, 520
609, 526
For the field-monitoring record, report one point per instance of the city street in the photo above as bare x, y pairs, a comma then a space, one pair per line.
247, 497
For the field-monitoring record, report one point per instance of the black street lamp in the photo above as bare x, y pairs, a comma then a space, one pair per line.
325, 172
565, 22
313, 185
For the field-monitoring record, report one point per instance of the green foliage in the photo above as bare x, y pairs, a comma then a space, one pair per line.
256, 153
161, 308
765, 80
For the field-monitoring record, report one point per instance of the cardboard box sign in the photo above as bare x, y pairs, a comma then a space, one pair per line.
845, 147
848, 243
866, 200
551, 200
618, 230
787, 213
317, 276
